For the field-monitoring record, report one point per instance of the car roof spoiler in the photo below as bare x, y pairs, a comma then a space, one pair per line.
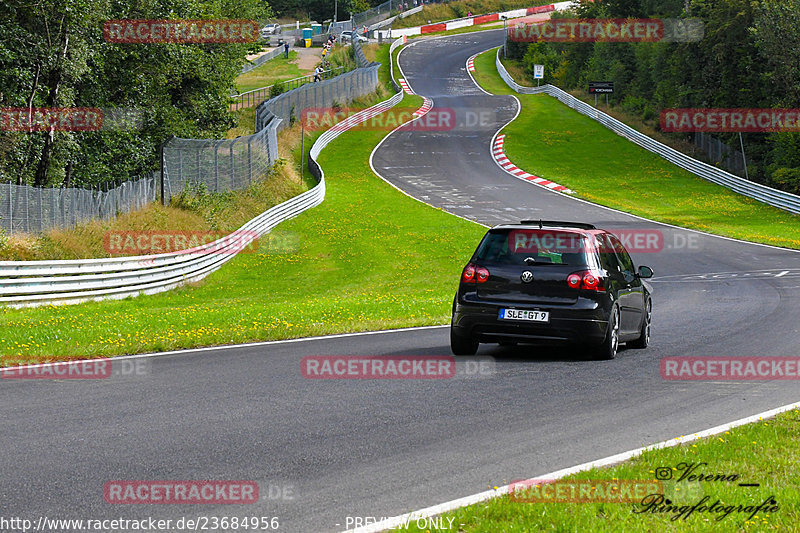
557, 224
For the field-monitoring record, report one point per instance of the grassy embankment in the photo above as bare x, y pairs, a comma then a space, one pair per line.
553, 141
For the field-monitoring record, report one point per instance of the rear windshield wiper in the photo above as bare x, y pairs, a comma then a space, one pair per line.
530, 261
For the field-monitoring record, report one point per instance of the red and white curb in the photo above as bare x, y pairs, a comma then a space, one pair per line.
427, 105
476, 20
405, 86
502, 160
471, 63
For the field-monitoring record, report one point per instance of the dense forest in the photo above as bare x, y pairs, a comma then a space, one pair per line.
749, 58
53, 54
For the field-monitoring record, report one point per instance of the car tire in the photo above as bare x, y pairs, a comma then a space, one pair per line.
644, 339
462, 344
608, 349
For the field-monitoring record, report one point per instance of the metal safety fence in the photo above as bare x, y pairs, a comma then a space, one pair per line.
329, 93
260, 60
720, 153
26, 209
388, 9
219, 165
774, 197
256, 96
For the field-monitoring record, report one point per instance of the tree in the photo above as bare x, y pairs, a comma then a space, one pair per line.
53, 54
777, 37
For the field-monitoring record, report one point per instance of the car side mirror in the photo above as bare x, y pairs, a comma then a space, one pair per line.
645, 272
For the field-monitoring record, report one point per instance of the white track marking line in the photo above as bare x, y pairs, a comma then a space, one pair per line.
435, 510
247, 345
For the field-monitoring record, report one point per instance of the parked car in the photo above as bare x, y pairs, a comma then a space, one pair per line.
347, 36
552, 282
270, 29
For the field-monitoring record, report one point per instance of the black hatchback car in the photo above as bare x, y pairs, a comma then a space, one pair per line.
552, 282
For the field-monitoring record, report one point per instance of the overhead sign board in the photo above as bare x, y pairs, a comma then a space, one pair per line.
601, 87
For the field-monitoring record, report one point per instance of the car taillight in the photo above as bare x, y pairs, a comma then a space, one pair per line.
587, 280
473, 273
574, 281
468, 276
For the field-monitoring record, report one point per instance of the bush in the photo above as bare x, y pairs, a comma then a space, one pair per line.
278, 88
787, 179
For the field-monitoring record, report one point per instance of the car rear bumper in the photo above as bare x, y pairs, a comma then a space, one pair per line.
584, 323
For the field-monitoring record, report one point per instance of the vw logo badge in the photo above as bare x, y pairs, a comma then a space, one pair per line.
526, 276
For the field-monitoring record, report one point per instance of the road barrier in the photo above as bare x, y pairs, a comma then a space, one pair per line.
475, 20
780, 199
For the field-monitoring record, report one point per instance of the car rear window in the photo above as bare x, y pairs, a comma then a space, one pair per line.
512, 247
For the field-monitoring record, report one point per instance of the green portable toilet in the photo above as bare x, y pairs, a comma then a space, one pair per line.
316, 29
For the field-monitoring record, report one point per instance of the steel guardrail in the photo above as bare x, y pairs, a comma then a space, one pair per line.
768, 195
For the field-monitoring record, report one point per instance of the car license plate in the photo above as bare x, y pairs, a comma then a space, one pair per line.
521, 314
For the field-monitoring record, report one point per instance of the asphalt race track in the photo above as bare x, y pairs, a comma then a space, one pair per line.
377, 448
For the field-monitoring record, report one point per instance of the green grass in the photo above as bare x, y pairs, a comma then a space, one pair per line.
453, 10
551, 140
368, 258
764, 453
271, 72
468, 29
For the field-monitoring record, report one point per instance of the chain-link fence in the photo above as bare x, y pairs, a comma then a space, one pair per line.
387, 9
26, 209
339, 90
720, 153
358, 54
256, 96
213, 165
218, 165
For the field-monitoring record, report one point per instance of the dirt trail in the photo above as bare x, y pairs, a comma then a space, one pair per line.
307, 58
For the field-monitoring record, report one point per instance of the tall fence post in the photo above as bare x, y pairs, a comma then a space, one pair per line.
233, 167
163, 169
249, 161
216, 167
10, 210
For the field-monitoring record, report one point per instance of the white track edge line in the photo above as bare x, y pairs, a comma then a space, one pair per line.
435, 510
233, 346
